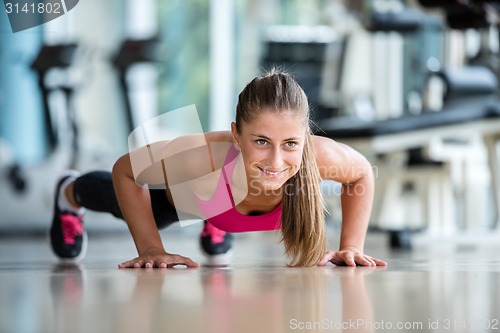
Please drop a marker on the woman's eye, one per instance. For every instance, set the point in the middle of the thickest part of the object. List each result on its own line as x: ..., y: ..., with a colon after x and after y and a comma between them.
x: 261, y: 142
x: 291, y: 144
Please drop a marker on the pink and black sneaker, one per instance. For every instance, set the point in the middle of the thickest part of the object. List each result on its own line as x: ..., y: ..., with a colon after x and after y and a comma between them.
x: 67, y: 234
x: 216, y: 245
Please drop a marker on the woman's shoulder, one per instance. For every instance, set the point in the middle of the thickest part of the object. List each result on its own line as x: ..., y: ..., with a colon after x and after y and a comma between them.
x: 323, y: 145
x: 338, y: 161
x: 329, y: 151
x: 199, y: 155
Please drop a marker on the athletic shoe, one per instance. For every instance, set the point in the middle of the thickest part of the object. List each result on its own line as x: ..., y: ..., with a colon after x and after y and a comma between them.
x: 67, y: 234
x: 216, y: 245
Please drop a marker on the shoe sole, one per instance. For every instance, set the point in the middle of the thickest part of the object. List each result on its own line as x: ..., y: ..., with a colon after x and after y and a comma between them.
x: 217, y: 260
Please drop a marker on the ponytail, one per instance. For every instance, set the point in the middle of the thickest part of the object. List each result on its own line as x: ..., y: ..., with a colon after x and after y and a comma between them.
x: 302, y: 219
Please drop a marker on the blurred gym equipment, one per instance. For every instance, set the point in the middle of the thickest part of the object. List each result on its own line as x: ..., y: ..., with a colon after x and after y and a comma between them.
x: 30, y: 193
x: 53, y: 57
x: 133, y: 52
x: 401, y: 148
x: 301, y: 51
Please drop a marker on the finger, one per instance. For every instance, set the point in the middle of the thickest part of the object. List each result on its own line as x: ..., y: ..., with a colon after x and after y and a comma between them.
x: 349, y: 260
x: 129, y: 264
x: 180, y: 260
x: 149, y: 264
x: 380, y: 262
x: 126, y: 264
x: 364, y: 261
x: 138, y: 264
x: 326, y: 258
x: 192, y: 264
x: 370, y: 259
x: 189, y: 263
x: 338, y: 260
x: 161, y: 263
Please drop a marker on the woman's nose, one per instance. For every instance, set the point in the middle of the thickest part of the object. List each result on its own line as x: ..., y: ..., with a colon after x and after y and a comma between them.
x: 275, y: 159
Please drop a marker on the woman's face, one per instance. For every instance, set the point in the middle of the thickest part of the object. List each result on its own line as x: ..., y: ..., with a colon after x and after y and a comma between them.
x: 271, y: 146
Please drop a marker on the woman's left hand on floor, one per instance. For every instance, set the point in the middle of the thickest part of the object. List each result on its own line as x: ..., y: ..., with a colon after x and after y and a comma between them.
x: 350, y: 256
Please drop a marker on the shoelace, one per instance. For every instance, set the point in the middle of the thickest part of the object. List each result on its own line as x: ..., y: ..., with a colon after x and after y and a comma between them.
x: 71, y: 227
x: 216, y: 235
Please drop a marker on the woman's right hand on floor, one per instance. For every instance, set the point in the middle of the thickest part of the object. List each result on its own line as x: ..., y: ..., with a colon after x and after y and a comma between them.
x: 157, y: 258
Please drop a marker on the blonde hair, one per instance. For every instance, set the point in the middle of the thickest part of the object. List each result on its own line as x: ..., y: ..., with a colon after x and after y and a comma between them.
x: 302, y: 217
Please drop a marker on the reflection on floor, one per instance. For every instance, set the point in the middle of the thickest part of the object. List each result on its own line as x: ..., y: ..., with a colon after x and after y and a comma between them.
x: 443, y: 288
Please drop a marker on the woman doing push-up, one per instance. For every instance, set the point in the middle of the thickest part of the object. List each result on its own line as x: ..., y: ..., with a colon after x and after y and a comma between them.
x: 262, y: 175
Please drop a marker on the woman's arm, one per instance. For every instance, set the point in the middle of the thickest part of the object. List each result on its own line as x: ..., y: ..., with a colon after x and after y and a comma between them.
x: 189, y: 159
x: 135, y: 204
x: 343, y: 164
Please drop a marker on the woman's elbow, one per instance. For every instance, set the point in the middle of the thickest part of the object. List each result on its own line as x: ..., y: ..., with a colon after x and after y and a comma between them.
x: 121, y: 166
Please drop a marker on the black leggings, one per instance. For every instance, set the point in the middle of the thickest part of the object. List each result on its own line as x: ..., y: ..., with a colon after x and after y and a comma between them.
x: 95, y: 191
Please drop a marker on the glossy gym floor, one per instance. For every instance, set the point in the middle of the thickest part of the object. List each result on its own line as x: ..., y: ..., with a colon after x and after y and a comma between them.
x: 439, y: 286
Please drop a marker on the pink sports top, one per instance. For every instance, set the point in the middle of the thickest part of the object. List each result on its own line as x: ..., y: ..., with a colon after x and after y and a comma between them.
x: 231, y: 220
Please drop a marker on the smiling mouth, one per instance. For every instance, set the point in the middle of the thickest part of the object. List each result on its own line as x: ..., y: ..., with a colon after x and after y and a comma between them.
x: 271, y: 173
